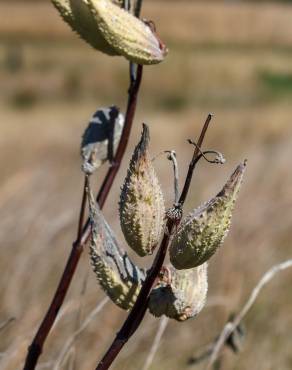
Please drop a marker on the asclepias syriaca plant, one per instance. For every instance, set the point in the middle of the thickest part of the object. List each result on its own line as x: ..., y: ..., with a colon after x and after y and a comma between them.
x: 181, y: 289
x: 107, y: 27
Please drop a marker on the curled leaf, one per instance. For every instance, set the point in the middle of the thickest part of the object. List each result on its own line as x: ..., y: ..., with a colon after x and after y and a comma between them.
x: 119, y: 277
x: 182, y: 295
x: 141, y: 202
x: 101, y: 138
x: 203, y: 231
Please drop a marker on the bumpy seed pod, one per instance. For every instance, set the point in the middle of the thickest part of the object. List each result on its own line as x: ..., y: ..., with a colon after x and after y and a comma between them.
x: 126, y: 34
x: 141, y: 202
x: 77, y: 14
x: 205, y: 228
x: 63, y: 6
x: 101, y: 138
x: 107, y: 27
x: 182, y: 295
x: 119, y: 277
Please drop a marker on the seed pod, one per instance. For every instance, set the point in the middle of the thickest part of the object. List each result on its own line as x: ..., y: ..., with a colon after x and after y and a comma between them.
x: 141, y: 202
x: 182, y: 297
x: 85, y: 26
x: 63, y: 6
x: 101, y: 138
x: 77, y: 14
x: 119, y: 277
x: 126, y: 34
x: 205, y: 228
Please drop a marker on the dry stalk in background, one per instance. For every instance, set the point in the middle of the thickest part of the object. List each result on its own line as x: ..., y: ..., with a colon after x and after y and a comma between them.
x: 154, y: 348
x: 231, y: 326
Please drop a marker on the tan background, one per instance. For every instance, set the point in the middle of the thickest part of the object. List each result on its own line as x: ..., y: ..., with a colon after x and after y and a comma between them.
x: 234, y: 59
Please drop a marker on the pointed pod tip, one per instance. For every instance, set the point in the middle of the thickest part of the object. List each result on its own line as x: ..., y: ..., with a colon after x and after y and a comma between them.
x: 234, y: 182
x: 145, y: 138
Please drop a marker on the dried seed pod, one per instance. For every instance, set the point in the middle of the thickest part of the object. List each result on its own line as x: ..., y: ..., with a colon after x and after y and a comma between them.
x: 141, y: 202
x: 126, y: 34
x: 119, y: 277
x: 183, y: 296
x: 101, y: 138
x: 205, y: 228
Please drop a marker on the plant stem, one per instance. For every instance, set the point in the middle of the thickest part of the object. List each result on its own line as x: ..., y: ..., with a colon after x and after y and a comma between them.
x: 193, y: 163
x: 138, y: 311
x: 36, y: 347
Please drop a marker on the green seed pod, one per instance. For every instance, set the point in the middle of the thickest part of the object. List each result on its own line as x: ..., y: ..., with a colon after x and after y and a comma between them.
x: 183, y: 296
x: 141, y: 202
x: 77, y: 14
x: 119, y: 277
x: 204, y: 229
x: 63, y: 6
x: 126, y: 34
x: 107, y: 27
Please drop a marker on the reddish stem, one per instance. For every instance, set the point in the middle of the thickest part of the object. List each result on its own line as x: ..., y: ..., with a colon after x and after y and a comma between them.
x: 138, y: 311
x: 36, y: 347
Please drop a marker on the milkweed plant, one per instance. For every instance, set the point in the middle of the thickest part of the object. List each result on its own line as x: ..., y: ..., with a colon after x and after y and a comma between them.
x: 176, y: 290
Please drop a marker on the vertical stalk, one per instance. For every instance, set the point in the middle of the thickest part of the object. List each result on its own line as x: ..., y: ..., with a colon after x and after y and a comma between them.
x: 36, y: 347
x: 138, y: 311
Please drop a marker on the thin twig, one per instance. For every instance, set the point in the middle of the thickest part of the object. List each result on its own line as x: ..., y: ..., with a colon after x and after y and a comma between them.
x: 137, y: 8
x: 75, y: 335
x: 194, y: 160
x: 36, y: 347
x: 80, y: 313
x: 82, y: 209
x: 172, y: 157
x: 138, y: 311
x: 161, y: 329
x: 230, y: 327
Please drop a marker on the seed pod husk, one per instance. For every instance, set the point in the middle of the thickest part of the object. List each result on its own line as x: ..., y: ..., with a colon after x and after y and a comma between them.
x: 141, y: 202
x: 183, y: 297
x: 119, y: 277
x: 126, y: 34
x: 204, y: 229
x: 104, y: 126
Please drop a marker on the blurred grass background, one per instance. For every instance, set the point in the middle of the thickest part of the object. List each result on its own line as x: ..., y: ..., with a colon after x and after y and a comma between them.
x: 231, y: 58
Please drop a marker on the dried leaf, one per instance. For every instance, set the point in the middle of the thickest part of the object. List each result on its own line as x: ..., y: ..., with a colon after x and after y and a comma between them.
x: 100, y: 133
x: 204, y: 229
x: 141, y: 202
x: 182, y: 295
x: 119, y: 277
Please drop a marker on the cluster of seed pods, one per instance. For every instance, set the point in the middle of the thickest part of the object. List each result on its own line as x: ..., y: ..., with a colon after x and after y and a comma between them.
x: 181, y: 290
x: 107, y: 27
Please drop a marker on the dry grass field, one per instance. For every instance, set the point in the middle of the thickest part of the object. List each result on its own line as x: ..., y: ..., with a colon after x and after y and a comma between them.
x: 232, y: 59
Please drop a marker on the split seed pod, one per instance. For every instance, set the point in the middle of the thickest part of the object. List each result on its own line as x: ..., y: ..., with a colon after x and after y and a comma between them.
x: 141, y: 202
x: 119, y: 277
x: 101, y: 138
x: 204, y: 229
x: 183, y: 297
